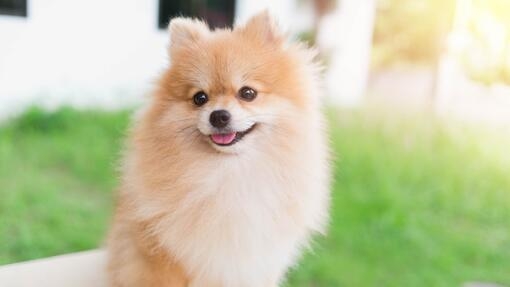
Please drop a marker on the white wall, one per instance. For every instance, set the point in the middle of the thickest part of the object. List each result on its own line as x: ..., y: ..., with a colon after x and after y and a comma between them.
x: 292, y: 16
x: 105, y: 53
x: 346, y: 35
x: 90, y: 53
x: 79, y: 52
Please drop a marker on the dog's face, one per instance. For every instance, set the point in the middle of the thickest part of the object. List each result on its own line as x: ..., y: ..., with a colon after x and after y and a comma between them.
x: 234, y: 89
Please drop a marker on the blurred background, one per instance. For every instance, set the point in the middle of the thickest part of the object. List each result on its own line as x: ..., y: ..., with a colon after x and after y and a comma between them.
x: 417, y: 94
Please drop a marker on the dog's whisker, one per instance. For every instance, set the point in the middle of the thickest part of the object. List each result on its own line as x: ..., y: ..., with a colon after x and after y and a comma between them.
x: 184, y: 129
x: 180, y: 120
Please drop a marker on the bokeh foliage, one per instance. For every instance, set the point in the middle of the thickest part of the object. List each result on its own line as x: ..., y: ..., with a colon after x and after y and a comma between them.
x: 416, y: 32
x: 485, y: 53
x: 411, y: 31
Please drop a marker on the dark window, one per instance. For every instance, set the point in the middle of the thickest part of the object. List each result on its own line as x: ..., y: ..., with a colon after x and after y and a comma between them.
x: 13, y: 7
x: 218, y: 13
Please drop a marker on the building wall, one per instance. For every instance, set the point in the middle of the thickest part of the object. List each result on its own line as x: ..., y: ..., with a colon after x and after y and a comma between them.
x: 90, y: 53
x: 82, y: 53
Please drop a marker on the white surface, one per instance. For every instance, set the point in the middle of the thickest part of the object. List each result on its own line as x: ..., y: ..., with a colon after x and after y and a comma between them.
x: 83, y: 269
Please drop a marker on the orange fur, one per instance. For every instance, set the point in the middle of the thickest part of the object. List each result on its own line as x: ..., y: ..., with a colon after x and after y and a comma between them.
x: 193, y: 214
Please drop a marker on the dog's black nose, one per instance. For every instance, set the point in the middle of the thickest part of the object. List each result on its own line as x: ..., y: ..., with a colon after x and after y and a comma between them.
x: 219, y: 119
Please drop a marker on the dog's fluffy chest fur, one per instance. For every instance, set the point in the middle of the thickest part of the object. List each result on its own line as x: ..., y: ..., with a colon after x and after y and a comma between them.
x: 243, y: 220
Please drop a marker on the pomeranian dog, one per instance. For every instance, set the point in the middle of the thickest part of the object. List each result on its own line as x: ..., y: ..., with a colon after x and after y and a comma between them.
x: 226, y: 175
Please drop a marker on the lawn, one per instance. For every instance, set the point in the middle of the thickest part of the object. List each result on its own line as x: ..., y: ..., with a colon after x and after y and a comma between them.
x: 416, y: 201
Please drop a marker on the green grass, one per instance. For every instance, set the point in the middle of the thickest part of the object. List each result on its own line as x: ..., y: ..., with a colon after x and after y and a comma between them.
x: 416, y: 202
x: 56, y: 181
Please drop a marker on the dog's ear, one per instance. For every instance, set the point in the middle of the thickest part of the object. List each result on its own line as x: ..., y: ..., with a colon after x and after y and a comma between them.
x: 185, y: 32
x: 263, y: 28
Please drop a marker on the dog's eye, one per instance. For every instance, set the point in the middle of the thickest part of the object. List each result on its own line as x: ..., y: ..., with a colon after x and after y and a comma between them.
x: 247, y: 94
x: 200, y: 98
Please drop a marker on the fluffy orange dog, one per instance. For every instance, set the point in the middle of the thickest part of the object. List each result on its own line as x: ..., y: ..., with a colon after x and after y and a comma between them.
x: 226, y: 175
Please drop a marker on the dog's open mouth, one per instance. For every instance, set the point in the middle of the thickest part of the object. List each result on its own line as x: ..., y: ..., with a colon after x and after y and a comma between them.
x: 226, y: 139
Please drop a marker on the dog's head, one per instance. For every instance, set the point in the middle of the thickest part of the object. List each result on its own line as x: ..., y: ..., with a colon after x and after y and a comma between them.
x: 234, y: 89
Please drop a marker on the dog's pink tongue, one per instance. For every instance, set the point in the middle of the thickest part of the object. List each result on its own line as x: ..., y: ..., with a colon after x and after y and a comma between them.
x: 223, y: 138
